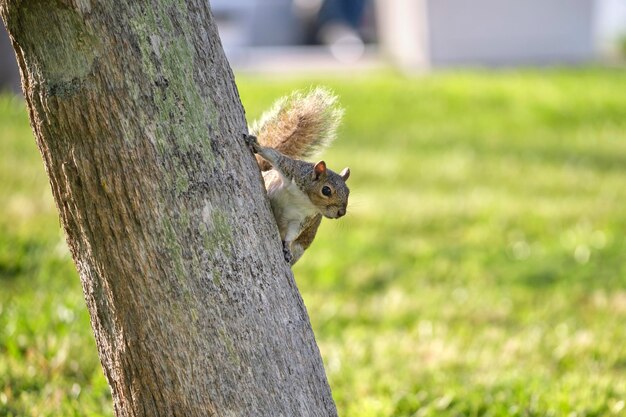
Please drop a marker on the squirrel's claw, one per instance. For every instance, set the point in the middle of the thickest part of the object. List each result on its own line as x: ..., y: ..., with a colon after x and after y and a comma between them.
x: 287, y: 253
x: 252, y: 142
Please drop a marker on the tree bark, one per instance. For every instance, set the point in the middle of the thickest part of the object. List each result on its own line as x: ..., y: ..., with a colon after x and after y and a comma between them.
x: 139, y: 123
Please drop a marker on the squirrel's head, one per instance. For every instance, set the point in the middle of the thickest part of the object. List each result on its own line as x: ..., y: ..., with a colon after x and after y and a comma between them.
x: 329, y: 191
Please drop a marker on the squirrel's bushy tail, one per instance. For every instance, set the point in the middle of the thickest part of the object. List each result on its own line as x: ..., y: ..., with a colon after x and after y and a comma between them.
x: 300, y: 124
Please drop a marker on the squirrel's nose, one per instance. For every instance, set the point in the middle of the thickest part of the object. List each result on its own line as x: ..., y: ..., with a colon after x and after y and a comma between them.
x: 341, y: 212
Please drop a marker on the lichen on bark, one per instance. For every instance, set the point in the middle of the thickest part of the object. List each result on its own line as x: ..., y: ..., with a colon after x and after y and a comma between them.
x: 168, y: 60
x: 65, y: 53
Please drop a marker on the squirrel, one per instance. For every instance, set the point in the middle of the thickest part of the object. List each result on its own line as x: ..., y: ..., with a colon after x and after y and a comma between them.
x: 300, y: 192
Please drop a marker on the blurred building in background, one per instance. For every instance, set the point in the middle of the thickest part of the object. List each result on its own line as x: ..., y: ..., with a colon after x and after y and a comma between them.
x: 320, y: 35
x: 9, y: 74
x: 418, y: 34
x: 422, y: 34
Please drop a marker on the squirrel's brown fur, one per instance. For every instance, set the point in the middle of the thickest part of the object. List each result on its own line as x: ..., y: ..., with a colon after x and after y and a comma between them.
x: 300, y: 193
x: 299, y: 125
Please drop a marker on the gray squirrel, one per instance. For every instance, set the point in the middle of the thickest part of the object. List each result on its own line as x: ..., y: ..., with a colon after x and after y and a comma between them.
x: 300, y: 192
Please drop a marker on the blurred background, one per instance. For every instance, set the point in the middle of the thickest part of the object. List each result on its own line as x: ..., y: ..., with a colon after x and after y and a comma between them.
x: 415, y: 35
x: 480, y: 270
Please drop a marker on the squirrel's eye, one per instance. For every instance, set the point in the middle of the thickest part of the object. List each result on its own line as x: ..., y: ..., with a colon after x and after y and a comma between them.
x: 326, y: 191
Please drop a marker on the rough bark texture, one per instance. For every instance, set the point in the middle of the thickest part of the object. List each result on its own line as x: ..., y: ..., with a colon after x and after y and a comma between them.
x: 140, y: 126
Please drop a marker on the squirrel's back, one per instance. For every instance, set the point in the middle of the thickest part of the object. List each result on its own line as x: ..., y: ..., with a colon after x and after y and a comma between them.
x: 299, y: 125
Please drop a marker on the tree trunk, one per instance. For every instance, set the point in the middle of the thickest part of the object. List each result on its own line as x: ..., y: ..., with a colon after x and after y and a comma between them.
x: 140, y: 126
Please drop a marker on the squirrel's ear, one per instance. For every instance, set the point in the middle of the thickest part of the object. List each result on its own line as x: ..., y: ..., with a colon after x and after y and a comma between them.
x: 345, y: 174
x: 319, y: 169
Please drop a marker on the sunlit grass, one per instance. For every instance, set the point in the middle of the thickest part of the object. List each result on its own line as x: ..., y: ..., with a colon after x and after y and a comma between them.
x: 480, y: 271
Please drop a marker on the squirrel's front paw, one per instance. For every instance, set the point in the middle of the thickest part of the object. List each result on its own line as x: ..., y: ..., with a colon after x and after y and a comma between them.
x: 252, y: 142
x: 287, y: 253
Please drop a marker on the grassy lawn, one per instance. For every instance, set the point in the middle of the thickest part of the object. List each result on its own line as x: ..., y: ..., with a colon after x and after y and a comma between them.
x: 481, y: 270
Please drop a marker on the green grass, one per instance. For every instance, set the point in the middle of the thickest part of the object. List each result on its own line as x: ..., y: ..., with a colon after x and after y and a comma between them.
x: 480, y: 272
